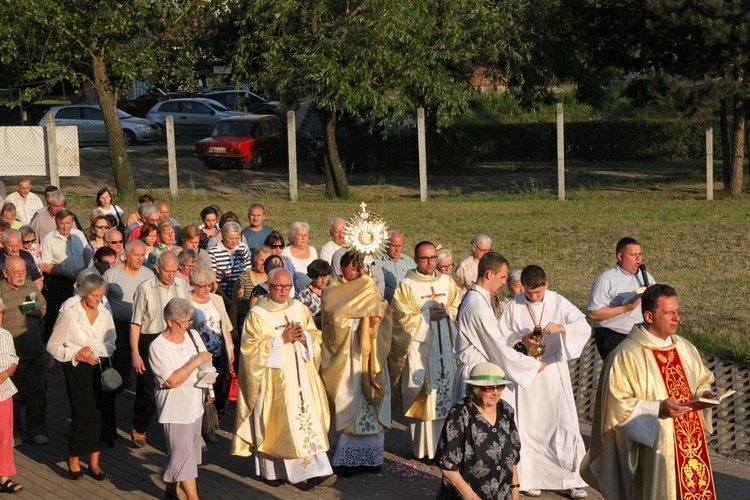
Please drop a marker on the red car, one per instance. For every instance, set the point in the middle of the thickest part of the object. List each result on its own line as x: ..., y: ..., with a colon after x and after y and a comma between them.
x: 243, y: 140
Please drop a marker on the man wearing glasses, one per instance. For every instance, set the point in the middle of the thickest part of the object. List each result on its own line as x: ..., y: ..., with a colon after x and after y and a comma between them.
x: 425, y: 305
x: 12, y: 243
x: 467, y: 269
x: 282, y: 411
x: 146, y: 323
x: 113, y: 239
x: 546, y: 413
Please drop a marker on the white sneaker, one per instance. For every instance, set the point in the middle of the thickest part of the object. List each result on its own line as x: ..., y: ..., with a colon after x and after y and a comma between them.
x: 533, y: 493
x: 577, y: 493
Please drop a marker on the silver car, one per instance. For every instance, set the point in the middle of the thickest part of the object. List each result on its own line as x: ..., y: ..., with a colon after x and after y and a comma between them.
x: 192, y: 116
x: 90, y: 122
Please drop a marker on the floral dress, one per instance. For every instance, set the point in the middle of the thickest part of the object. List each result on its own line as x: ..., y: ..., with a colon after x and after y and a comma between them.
x: 484, y: 454
x: 311, y: 300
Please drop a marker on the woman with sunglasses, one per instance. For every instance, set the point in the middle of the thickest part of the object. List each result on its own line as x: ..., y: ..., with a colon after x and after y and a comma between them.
x: 480, y: 447
x: 99, y: 226
x: 275, y: 241
x: 30, y: 243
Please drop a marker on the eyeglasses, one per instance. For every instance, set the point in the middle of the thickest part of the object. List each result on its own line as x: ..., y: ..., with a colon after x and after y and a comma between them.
x: 101, y: 227
x: 185, y: 325
x: 492, y: 388
x: 118, y: 242
x: 203, y: 285
x: 447, y: 267
x: 279, y: 287
x: 277, y: 246
x: 29, y: 242
x: 432, y: 258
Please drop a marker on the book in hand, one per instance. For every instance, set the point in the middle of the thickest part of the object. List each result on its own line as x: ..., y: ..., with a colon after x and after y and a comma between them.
x: 703, y: 403
x: 27, y: 306
x: 205, y: 379
x: 634, y: 295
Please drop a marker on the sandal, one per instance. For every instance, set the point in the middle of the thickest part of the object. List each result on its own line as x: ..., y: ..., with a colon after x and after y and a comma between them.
x: 10, y: 487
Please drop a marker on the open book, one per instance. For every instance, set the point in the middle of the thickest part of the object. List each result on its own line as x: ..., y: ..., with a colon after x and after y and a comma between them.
x: 702, y: 403
x: 634, y: 295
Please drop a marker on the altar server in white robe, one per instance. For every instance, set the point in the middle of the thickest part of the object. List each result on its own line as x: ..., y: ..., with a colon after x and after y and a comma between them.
x: 479, y: 339
x: 282, y: 409
x: 546, y: 413
x: 424, y: 306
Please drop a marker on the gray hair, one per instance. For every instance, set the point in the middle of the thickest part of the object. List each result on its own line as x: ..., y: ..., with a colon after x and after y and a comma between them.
x: 150, y: 210
x: 10, y: 234
x: 296, y: 226
x: 395, y: 232
x: 113, y: 231
x: 513, y: 276
x: 178, y: 308
x: 166, y: 256
x: 164, y: 225
x: 231, y: 226
x: 276, y: 271
x: 90, y: 282
x: 186, y: 256
x: 26, y: 230
x: 55, y: 197
x: 443, y: 254
x: 202, y: 274
x: 132, y: 243
x: 142, y: 208
x: 335, y: 220
x: 480, y: 239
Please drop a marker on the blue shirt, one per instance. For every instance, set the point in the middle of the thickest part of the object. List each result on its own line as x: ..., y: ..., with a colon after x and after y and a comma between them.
x: 394, y: 272
x: 255, y: 239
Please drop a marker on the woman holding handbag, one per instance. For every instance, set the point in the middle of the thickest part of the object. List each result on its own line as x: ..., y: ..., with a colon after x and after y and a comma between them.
x: 215, y: 328
x: 180, y: 362
x: 83, y: 340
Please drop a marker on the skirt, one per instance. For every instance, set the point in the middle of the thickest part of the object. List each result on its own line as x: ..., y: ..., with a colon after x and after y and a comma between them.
x: 184, y: 451
x: 92, y: 410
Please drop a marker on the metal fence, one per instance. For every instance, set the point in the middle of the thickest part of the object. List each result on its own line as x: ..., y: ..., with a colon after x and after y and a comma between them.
x: 40, y: 151
x: 731, y: 419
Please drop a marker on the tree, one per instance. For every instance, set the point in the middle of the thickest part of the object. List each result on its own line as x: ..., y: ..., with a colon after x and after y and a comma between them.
x: 107, y: 43
x: 704, y: 46
x: 376, y: 58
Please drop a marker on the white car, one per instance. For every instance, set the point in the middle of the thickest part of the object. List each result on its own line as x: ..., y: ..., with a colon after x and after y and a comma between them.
x: 90, y: 122
x: 192, y: 116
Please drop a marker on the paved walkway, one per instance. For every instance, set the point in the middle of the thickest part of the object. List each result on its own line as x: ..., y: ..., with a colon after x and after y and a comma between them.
x: 136, y: 473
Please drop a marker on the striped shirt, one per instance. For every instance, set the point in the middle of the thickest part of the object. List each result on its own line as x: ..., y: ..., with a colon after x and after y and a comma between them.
x: 229, y: 266
x: 8, y: 358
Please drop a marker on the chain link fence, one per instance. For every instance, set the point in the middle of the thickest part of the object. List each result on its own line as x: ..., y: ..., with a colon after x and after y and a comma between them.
x: 34, y: 151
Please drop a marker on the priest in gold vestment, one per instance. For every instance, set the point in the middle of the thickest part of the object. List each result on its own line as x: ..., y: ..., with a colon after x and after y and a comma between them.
x: 282, y: 411
x: 425, y: 305
x: 357, y: 325
x: 644, y: 443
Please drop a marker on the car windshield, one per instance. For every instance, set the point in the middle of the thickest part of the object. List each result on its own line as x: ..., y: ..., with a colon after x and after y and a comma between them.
x: 233, y: 129
x: 123, y: 114
x: 216, y: 106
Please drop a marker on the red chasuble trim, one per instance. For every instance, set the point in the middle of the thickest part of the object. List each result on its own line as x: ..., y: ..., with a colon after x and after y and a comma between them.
x: 693, y: 463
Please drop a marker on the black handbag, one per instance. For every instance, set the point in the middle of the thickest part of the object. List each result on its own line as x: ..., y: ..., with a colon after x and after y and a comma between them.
x: 110, y: 378
x: 210, y: 422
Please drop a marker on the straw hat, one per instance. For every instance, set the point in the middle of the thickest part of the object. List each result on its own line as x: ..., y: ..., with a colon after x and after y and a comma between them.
x: 487, y: 374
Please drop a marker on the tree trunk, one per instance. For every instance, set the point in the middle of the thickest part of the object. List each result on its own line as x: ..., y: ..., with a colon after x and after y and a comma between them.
x: 738, y: 145
x: 336, y: 184
x: 725, y: 154
x: 431, y: 138
x: 118, y: 155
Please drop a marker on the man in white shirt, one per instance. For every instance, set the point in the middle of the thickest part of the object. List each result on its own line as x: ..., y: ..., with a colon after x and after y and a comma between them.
x: 613, y: 316
x: 337, y: 239
x: 26, y: 202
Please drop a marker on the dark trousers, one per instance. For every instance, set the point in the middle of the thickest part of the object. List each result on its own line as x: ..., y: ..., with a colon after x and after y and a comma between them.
x: 144, y: 407
x: 31, y: 379
x: 57, y: 289
x: 122, y: 357
x: 92, y: 410
x: 606, y: 340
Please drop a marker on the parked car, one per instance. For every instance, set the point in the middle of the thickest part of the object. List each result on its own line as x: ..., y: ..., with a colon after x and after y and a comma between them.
x: 142, y: 104
x: 244, y: 100
x: 247, y: 140
x: 90, y: 122
x: 193, y: 116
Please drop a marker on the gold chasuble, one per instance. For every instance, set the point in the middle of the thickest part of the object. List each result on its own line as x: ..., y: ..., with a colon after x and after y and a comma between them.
x: 634, y: 454
x: 357, y: 327
x: 427, y: 361
x: 282, y: 409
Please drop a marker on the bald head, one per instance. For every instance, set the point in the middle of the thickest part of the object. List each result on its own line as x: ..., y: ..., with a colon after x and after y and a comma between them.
x: 15, y: 271
x: 167, y: 267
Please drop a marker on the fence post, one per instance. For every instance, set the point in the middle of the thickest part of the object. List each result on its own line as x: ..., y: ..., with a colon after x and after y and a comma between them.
x: 709, y: 160
x: 422, y: 145
x: 560, y: 154
x: 54, y: 169
x: 171, y: 155
x: 291, y: 135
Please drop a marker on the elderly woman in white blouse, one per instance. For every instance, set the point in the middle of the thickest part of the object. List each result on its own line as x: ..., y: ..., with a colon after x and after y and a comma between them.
x: 83, y: 340
x: 177, y: 357
x: 299, y: 252
x: 8, y: 364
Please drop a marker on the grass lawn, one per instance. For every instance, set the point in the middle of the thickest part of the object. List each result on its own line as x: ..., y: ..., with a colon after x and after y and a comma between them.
x: 698, y: 247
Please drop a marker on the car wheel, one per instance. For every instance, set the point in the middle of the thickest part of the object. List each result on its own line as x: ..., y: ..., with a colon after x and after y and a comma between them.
x: 130, y: 139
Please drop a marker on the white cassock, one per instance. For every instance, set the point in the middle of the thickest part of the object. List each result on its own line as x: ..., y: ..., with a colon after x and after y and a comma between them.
x: 428, y: 374
x: 546, y: 413
x: 479, y: 341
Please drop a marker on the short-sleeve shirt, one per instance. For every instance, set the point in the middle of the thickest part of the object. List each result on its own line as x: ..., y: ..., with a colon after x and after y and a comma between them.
x: 149, y: 301
x: 484, y: 454
x: 311, y: 300
x: 209, y: 326
x: 24, y: 328
x: 67, y: 252
x: 609, y: 290
x: 121, y: 288
x: 255, y: 239
x: 182, y: 404
x: 395, y: 272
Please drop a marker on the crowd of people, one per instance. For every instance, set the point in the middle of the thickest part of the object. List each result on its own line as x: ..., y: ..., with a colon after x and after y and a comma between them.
x: 329, y: 348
